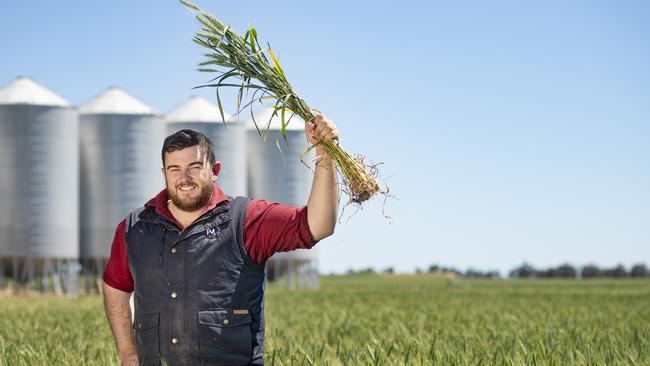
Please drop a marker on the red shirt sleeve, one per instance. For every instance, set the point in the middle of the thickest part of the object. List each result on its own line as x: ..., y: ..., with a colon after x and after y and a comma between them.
x: 117, y: 273
x: 270, y: 228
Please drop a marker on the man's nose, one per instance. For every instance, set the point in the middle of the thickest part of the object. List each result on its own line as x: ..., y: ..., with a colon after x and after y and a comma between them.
x: 187, y: 173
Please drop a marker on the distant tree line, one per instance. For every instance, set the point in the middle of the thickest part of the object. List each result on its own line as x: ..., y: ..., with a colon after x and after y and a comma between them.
x: 434, y: 268
x: 471, y: 272
x: 588, y: 271
x: 528, y: 271
x: 368, y: 270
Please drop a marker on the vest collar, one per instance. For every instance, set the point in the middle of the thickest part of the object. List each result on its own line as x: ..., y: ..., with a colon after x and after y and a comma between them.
x: 157, y: 211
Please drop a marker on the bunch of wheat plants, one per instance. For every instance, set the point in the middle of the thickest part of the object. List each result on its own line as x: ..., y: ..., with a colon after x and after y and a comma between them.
x: 240, y: 62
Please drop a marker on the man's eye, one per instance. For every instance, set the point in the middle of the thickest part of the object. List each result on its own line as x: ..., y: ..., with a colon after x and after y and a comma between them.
x: 196, y: 168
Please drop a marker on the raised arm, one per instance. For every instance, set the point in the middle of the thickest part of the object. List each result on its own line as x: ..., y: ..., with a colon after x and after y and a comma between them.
x: 322, y: 208
x: 118, y: 312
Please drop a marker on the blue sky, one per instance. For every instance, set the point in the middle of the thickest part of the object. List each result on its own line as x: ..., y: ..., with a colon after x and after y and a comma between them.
x: 510, y: 131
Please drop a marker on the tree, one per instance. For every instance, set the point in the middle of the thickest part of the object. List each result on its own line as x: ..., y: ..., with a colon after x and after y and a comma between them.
x: 639, y: 270
x: 567, y: 271
x: 523, y: 271
x: 618, y: 271
x: 590, y: 271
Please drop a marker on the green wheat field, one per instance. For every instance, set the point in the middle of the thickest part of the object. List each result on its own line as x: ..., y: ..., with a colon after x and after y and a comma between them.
x: 384, y: 320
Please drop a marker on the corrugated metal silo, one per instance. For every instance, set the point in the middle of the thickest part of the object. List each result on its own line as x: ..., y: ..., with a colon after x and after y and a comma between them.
x: 229, y: 139
x: 274, y: 168
x: 120, y: 139
x: 275, y: 173
x: 39, y: 180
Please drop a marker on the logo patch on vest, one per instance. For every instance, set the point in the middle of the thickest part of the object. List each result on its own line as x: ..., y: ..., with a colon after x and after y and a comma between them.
x: 210, y: 232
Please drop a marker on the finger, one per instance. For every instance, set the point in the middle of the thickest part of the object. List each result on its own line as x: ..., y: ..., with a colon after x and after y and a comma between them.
x: 331, y: 136
x: 311, y: 135
x: 310, y: 131
x: 319, y: 130
x: 320, y: 120
x: 317, y: 119
x: 326, y: 133
x: 334, y: 132
x: 325, y: 125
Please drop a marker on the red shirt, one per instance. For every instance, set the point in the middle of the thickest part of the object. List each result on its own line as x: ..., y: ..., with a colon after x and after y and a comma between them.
x: 269, y: 228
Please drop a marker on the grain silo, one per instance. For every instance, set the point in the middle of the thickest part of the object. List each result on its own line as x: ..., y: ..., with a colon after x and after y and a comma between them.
x: 229, y: 138
x: 120, y: 139
x: 276, y: 173
x: 38, y: 185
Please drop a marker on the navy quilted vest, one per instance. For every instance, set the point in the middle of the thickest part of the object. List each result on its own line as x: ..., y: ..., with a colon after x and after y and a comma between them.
x: 199, y: 298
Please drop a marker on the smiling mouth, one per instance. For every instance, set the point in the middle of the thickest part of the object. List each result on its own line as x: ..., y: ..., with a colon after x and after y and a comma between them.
x: 187, y: 188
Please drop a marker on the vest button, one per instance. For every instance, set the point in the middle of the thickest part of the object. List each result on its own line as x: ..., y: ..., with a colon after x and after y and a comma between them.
x: 174, y: 295
x: 174, y: 340
x: 226, y: 322
x: 173, y: 250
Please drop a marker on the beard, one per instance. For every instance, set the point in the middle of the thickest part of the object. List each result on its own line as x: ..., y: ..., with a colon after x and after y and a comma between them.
x: 190, y: 204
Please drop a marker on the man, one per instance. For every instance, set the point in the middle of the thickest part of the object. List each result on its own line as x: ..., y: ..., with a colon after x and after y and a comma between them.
x: 194, y: 259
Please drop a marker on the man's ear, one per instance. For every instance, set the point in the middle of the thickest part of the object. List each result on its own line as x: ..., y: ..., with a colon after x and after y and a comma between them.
x: 162, y: 170
x: 216, y: 168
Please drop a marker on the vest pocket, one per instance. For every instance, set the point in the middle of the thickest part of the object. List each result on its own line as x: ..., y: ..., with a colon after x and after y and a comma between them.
x: 146, y: 338
x: 225, y: 337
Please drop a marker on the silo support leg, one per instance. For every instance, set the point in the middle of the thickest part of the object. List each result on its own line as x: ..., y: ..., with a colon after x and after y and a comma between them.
x: 290, y: 280
x: 70, y: 275
x: 99, y: 274
x: 27, y: 273
x: 30, y: 271
x: 56, y: 278
x: 45, y: 275
x: 86, y: 274
x: 2, y: 274
x: 15, y: 273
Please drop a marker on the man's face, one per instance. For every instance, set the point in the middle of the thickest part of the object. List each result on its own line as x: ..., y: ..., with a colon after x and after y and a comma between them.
x: 189, y: 178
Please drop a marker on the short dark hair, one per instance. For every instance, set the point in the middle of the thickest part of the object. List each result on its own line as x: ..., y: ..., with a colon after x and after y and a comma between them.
x: 188, y: 138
